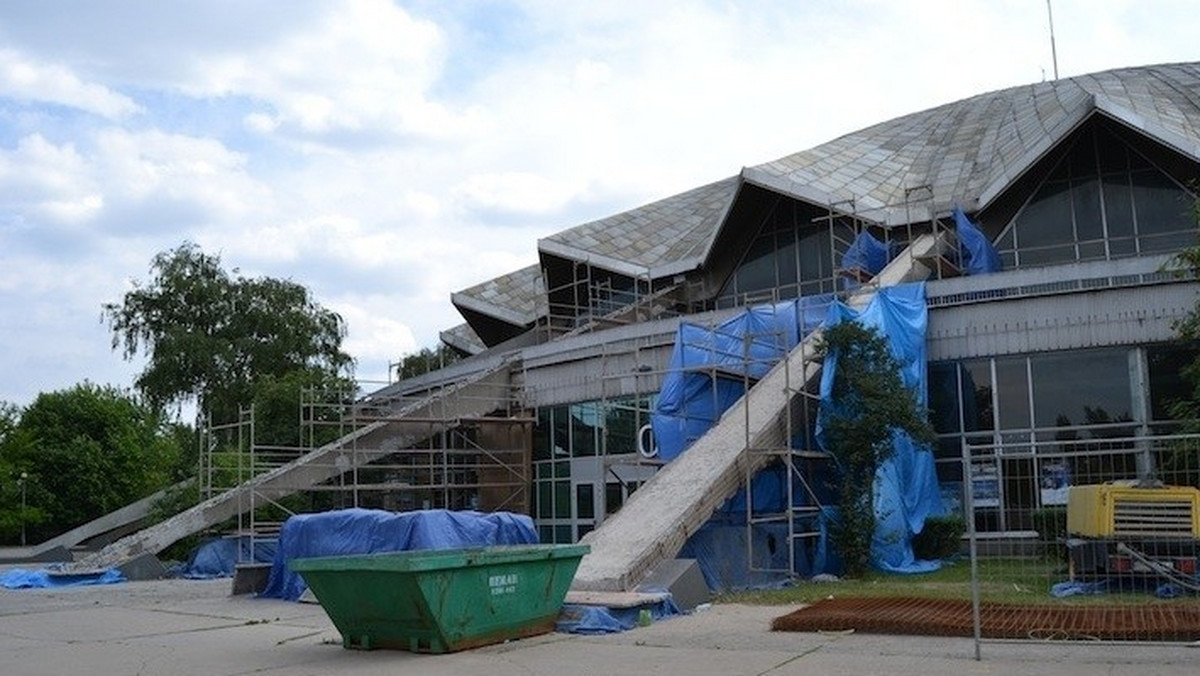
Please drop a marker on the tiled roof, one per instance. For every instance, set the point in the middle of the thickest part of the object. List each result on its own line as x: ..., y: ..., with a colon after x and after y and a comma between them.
x: 650, y: 238
x: 966, y: 152
x: 518, y: 298
x: 970, y: 150
x: 463, y: 338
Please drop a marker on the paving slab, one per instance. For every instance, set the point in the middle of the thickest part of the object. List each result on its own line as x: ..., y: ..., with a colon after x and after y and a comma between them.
x: 184, y: 628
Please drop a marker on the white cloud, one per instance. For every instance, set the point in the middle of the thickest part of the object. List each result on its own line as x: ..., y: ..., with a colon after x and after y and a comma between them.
x: 516, y: 191
x: 387, y: 154
x: 376, y: 337
x: 28, y: 80
x: 141, y: 168
x: 366, y: 65
x: 44, y: 181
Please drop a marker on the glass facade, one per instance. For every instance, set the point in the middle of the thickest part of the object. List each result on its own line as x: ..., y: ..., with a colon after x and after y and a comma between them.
x: 1103, y: 200
x: 791, y: 256
x: 1030, y: 424
x: 585, y: 463
x: 1034, y: 424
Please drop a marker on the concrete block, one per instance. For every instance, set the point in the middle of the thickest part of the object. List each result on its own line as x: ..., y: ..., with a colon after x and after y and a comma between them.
x: 143, y: 567
x: 250, y: 578
x: 682, y: 578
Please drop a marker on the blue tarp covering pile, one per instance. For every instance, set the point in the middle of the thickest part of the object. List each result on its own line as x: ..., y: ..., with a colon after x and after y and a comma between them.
x: 366, y: 531
x: 745, y: 348
x: 219, y: 557
x: 19, y: 578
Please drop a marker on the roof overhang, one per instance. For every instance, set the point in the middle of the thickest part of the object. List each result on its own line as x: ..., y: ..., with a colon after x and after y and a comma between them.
x: 508, y: 315
x: 1153, y: 130
x: 870, y: 211
x: 1035, y: 152
x: 575, y: 254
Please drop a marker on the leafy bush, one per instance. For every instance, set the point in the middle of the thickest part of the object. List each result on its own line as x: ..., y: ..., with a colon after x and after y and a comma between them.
x: 1051, y: 526
x: 940, y: 538
x: 1050, y: 523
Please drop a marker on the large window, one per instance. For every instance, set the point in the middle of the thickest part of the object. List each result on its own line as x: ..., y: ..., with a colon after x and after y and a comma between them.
x: 573, y: 480
x: 1102, y: 200
x: 1034, y: 424
x: 1167, y: 384
x: 791, y: 256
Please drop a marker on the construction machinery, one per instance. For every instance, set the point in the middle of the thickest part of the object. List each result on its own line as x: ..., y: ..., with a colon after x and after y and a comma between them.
x: 1134, y: 530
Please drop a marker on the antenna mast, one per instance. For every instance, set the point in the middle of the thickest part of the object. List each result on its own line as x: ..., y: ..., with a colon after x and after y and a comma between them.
x: 1053, y: 51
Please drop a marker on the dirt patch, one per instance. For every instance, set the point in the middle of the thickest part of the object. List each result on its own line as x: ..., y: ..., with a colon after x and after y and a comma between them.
x: 944, y: 617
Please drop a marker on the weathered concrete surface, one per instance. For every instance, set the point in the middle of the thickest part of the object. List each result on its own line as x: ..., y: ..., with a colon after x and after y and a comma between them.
x: 658, y: 519
x: 193, y: 628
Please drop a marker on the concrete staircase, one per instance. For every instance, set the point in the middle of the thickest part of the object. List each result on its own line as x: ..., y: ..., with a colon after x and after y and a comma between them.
x: 473, y: 397
x: 657, y: 520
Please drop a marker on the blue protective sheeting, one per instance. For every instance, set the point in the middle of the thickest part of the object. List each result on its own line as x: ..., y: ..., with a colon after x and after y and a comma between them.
x: 865, y: 254
x: 720, y: 550
x: 741, y: 349
x: 366, y: 531
x: 979, y: 257
x: 581, y: 619
x: 44, y: 578
x: 219, y: 557
x: 906, y: 488
x: 723, y: 547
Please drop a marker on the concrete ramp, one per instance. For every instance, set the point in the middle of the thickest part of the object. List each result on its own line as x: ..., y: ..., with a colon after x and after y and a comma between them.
x: 476, y: 396
x: 657, y: 520
x: 111, y: 526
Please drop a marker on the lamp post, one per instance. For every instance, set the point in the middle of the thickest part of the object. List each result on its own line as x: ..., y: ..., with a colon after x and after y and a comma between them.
x: 24, y: 477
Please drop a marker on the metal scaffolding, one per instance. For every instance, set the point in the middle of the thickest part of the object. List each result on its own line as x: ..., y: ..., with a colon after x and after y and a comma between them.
x: 426, y: 457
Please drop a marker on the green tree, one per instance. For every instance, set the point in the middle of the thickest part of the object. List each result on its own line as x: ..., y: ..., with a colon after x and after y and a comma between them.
x: 278, y: 408
x: 425, y: 360
x: 14, y: 460
x: 868, y: 404
x: 87, y: 450
x: 1182, y: 464
x: 209, y: 335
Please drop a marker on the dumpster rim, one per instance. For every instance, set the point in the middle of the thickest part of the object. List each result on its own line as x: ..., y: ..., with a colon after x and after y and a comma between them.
x: 419, y: 560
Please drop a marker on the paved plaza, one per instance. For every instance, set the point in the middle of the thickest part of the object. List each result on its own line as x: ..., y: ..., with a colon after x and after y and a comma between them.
x: 180, y: 628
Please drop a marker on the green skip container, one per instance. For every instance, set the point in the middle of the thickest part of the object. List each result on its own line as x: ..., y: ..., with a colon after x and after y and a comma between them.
x: 438, y: 601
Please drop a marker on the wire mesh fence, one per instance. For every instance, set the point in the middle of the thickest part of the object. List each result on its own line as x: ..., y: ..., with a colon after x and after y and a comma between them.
x: 1082, y: 536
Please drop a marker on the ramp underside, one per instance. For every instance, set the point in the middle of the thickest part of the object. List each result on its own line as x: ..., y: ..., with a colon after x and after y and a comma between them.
x: 657, y: 520
x: 478, y: 397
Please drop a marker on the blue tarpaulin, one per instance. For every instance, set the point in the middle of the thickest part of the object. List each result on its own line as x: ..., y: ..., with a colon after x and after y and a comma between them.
x: 866, y: 255
x: 979, y: 257
x: 366, y: 531
x: 219, y: 557
x: 581, y: 619
x: 19, y: 578
x: 742, y: 350
x: 906, y: 488
x: 732, y: 557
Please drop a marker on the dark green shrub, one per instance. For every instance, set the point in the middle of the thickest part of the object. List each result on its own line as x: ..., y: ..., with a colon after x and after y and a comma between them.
x: 1051, y: 526
x: 940, y: 538
x: 1050, y: 523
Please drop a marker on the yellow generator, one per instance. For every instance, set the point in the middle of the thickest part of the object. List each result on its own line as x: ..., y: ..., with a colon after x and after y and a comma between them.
x: 1125, y: 528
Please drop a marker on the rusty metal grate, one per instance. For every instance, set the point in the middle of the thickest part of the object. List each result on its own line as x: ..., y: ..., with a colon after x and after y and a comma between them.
x: 946, y: 617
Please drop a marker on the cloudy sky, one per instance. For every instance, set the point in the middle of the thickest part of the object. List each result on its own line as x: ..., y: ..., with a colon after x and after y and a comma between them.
x: 386, y: 153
